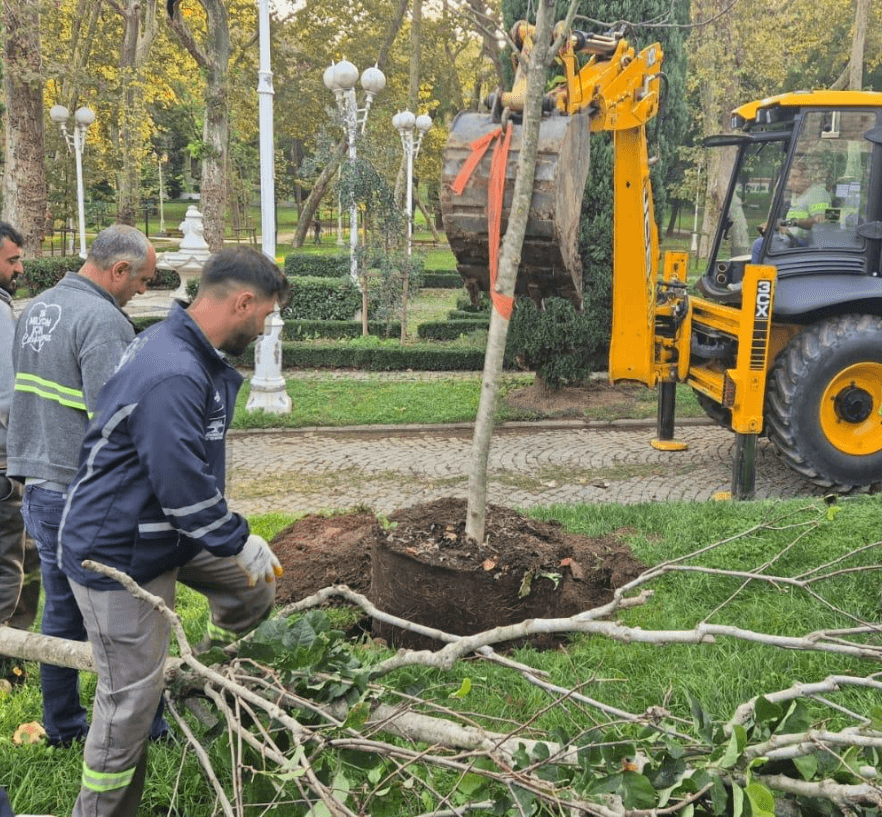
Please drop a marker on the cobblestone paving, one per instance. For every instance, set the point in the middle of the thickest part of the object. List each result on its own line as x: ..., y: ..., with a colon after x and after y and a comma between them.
x: 387, y: 469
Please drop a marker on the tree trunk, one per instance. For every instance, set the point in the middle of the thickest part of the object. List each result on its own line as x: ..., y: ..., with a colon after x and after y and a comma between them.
x: 509, y: 261
x: 214, y: 59
x: 315, y: 195
x: 856, y: 61
x: 138, y: 37
x: 24, y: 176
x: 215, y: 135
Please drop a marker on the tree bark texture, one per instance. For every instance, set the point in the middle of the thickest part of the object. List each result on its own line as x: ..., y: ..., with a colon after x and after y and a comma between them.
x: 24, y: 177
x: 509, y: 261
x: 140, y: 27
x: 214, y: 59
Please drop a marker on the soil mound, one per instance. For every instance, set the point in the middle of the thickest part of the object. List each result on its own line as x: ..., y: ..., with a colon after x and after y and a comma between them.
x: 420, y: 565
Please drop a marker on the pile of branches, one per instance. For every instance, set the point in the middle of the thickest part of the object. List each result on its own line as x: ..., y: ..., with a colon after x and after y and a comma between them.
x: 310, y: 721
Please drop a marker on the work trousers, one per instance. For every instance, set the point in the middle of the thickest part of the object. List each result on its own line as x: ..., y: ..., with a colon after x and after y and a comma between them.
x: 19, y: 565
x: 129, y: 641
x: 64, y: 716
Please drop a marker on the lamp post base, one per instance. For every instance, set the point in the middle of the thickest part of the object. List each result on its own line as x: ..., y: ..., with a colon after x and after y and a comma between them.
x: 268, y: 391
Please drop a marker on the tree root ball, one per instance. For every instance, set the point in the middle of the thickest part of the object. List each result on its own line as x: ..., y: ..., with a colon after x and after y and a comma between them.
x: 419, y: 565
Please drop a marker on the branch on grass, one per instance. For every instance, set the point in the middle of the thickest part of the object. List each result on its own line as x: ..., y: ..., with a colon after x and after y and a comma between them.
x: 842, y: 794
x: 832, y: 683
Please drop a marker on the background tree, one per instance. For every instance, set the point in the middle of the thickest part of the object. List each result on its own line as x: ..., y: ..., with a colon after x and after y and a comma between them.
x: 24, y: 178
x: 212, y: 55
x: 140, y: 27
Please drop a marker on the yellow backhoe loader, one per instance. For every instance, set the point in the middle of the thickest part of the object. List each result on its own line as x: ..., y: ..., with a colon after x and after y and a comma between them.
x: 784, y: 336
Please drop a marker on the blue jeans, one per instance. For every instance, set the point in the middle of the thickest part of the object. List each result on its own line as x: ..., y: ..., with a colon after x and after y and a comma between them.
x: 64, y: 717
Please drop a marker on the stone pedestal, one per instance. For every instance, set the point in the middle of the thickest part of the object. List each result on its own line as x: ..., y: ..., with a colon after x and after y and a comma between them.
x: 268, y: 390
x: 189, y: 259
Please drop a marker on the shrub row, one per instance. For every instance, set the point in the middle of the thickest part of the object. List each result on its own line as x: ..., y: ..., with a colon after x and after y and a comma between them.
x: 441, y: 279
x: 450, y: 330
x: 322, y: 299
x: 378, y: 359
x: 305, y: 330
x: 316, y: 266
x: 42, y: 273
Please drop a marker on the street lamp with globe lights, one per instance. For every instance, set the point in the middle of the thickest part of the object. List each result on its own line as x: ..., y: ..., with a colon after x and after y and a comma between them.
x: 341, y: 78
x: 405, y: 123
x: 83, y: 117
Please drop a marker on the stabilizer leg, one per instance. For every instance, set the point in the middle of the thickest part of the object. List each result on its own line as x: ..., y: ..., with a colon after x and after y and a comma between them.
x: 744, y: 466
x: 667, y: 400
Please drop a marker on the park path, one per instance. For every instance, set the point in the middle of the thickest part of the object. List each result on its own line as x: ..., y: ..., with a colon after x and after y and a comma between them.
x: 386, y: 468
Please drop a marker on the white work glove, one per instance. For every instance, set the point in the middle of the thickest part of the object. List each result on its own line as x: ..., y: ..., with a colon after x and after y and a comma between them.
x: 258, y: 561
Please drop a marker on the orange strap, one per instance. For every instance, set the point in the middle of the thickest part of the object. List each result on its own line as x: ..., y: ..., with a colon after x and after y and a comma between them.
x: 495, y: 192
x: 479, y: 148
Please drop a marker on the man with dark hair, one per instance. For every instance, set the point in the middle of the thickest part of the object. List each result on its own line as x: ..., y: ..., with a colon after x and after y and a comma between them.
x: 67, y: 344
x: 148, y: 500
x: 19, y: 563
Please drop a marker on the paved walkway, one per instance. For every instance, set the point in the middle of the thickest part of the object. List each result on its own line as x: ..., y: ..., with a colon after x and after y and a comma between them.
x: 391, y: 467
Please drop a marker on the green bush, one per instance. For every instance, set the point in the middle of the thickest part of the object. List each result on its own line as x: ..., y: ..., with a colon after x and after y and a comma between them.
x: 440, y: 279
x: 165, y: 279
x: 303, y: 265
x: 561, y: 345
x: 306, y: 329
x: 322, y: 299
x: 450, y: 330
x: 464, y: 304
x: 41, y: 274
x: 463, y: 315
x: 377, y: 357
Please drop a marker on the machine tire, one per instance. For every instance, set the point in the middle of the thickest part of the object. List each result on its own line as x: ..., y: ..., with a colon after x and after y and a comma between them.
x: 718, y: 413
x: 823, y: 403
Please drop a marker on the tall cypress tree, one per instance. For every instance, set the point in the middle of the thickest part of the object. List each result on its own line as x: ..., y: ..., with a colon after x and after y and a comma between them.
x: 596, y: 240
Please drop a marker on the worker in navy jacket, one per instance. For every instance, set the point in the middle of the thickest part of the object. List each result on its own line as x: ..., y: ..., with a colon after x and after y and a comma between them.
x: 148, y: 500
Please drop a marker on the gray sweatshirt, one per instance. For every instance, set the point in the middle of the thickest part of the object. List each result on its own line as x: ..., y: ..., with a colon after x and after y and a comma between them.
x: 67, y: 344
x: 7, y: 373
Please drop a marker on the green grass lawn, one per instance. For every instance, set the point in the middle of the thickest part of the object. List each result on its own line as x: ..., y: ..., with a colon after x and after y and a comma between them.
x: 789, y: 539
x: 333, y: 399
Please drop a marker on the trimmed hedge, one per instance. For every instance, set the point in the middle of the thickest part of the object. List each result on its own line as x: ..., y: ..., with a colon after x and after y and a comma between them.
x: 43, y: 273
x: 306, y: 329
x: 303, y: 265
x: 165, y: 279
x: 322, y: 299
x: 450, y: 330
x: 441, y: 279
x: 378, y: 359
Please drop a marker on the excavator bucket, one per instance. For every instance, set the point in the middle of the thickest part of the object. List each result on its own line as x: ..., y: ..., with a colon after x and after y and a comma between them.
x: 550, y: 263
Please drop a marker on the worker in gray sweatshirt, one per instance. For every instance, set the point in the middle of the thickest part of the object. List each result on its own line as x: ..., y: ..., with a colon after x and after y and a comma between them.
x: 67, y: 344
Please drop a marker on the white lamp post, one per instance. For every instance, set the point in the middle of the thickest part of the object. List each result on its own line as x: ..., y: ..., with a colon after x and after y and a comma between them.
x: 341, y: 78
x: 405, y: 123
x: 268, y: 391
x: 83, y: 117
x: 161, y: 159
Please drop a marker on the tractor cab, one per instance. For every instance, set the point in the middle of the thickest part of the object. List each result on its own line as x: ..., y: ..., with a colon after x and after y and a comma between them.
x: 804, y: 196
